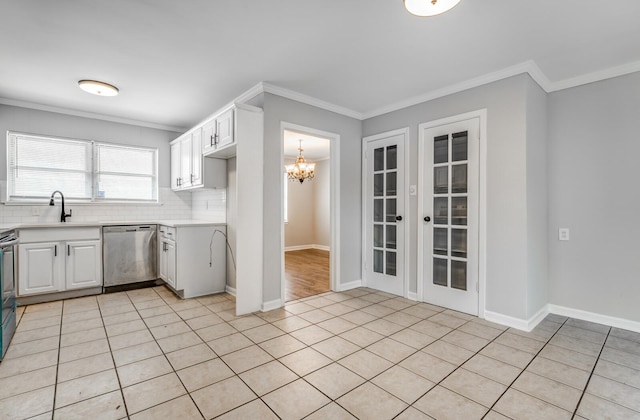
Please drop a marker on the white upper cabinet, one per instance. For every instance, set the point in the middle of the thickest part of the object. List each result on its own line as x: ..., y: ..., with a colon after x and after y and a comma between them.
x: 189, y: 169
x: 218, y: 132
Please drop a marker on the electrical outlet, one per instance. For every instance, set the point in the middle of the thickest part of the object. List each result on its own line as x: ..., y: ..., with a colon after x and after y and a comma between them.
x: 563, y: 234
x: 35, y: 211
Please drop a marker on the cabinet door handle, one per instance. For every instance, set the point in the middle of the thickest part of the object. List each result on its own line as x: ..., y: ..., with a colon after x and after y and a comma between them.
x: 192, y: 177
x: 211, y: 140
x: 215, y: 138
x: 68, y: 250
x: 55, y: 250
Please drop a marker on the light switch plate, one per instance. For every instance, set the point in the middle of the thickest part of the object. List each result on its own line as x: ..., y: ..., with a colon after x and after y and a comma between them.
x: 563, y: 234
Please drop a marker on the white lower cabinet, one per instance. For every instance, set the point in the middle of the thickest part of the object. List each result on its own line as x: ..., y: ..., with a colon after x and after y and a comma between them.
x: 57, y: 266
x: 83, y: 266
x: 192, y: 260
x: 40, y: 270
x: 167, y: 261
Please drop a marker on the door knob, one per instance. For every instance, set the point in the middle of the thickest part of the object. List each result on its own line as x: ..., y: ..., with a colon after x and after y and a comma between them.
x: 427, y: 219
x: 398, y: 218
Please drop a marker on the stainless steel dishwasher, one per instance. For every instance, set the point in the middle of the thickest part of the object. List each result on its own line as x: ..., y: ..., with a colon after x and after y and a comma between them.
x: 128, y: 256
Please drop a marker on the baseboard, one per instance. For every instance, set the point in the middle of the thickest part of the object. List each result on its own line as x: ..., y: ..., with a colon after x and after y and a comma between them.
x: 230, y: 290
x: 348, y: 286
x: 309, y: 246
x: 517, y: 323
x: 271, y: 305
x: 412, y: 296
x: 622, y: 323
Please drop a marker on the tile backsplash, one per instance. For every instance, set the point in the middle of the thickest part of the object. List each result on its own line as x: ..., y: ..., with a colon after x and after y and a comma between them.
x: 207, y: 205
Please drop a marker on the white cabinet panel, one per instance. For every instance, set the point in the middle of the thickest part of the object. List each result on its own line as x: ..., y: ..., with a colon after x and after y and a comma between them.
x: 175, y: 165
x: 189, y: 169
x: 224, y: 124
x: 83, y: 264
x: 40, y: 269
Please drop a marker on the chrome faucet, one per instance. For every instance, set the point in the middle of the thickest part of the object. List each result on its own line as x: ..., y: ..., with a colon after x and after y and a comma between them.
x: 63, y: 215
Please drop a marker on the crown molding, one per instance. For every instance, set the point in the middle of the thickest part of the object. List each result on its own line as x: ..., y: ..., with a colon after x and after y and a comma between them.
x: 529, y: 67
x: 526, y: 67
x: 102, y: 117
x: 310, y: 100
x: 596, y: 76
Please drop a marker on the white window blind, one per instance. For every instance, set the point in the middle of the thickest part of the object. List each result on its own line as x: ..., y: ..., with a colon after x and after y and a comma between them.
x: 125, y: 173
x: 37, y: 166
x: 83, y: 170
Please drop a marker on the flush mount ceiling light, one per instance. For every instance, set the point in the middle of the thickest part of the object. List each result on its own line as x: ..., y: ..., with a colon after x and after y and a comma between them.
x: 300, y: 170
x: 429, y: 7
x: 98, y: 88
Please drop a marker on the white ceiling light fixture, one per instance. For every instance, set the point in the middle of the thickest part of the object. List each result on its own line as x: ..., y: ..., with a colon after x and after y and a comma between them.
x: 98, y: 88
x: 429, y: 7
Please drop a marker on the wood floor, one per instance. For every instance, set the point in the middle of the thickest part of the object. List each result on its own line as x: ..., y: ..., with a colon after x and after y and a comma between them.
x: 306, y: 273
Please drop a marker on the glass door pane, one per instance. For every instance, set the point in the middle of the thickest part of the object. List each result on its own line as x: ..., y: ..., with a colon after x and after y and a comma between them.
x: 450, y: 191
x: 385, y: 191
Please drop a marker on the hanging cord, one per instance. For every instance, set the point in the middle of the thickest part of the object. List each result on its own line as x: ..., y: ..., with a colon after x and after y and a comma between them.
x: 216, y: 230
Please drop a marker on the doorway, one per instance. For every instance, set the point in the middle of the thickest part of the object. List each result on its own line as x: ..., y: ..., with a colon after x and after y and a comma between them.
x: 309, y: 238
x: 384, y: 207
x: 449, y: 212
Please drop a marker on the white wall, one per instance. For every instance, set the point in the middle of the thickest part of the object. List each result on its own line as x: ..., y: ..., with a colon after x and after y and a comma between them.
x: 537, y: 203
x: 322, y: 197
x: 309, y: 210
x: 276, y: 110
x: 232, y: 220
x: 593, y: 190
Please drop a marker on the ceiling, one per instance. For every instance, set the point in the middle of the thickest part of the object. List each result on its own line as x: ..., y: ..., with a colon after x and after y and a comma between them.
x: 176, y: 62
x: 313, y: 148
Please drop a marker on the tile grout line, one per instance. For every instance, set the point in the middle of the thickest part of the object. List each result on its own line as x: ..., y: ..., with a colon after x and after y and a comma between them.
x: 586, y: 385
x: 155, y: 340
x: 525, y: 368
x: 115, y: 367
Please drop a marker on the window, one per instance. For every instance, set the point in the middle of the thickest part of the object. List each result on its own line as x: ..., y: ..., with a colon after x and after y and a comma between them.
x: 83, y: 170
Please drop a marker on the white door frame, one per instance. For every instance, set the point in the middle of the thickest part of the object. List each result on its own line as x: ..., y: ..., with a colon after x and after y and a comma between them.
x: 334, y: 185
x: 482, y: 201
x: 407, y: 220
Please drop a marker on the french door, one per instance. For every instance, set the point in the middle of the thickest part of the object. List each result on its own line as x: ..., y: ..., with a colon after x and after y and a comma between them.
x: 384, y: 207
x: 449, y: 191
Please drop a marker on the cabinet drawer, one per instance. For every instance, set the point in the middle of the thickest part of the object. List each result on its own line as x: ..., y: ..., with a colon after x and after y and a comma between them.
x: 167, y: 232
x: 58, y: 234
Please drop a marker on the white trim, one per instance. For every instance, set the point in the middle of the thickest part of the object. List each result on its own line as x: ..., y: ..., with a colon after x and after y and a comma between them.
x: 230, y: 290
x: 348, y: 286
x: 271, y: 305
x: 625, y: 324
x: 527, y: 67
x: 309, y: 100
x: 412, y: 296
x: 92, y: 115
x: 407, y: 208
x: 309, y: 246
x: 481, y: 114
x: 517, y: 323
x: 530, y: 67
x: 334, y: 217
x: 595, y: 76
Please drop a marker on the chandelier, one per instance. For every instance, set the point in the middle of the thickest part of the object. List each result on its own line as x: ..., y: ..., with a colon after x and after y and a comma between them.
x: 300, y: 170
x: 429, y: 7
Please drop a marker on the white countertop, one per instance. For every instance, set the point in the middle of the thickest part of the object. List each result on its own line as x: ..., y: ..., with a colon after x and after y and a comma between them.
x: 173, y: 223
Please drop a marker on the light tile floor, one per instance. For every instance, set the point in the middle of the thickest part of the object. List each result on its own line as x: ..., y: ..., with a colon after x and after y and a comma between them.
x: 364, y: 354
